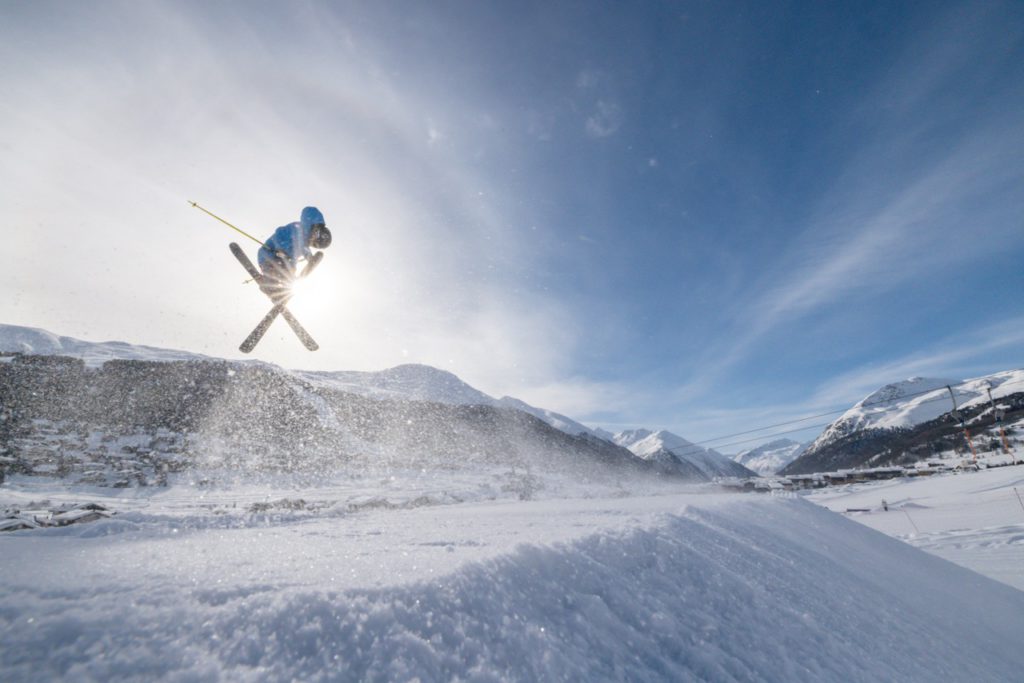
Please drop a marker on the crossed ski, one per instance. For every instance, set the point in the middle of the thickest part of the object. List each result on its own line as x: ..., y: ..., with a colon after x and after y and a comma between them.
x: 279, y: 295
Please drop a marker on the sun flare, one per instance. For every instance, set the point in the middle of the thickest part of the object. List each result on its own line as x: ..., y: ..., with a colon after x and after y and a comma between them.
x: 309, y: 300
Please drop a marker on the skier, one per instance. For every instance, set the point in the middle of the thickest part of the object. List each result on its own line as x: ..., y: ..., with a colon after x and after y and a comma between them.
x: 281, y: 252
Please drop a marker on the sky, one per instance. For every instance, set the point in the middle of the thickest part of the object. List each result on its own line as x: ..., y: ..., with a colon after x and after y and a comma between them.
x: 697, y: 216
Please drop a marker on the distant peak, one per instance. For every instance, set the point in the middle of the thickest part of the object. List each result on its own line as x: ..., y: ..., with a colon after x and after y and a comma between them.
x: 669, y: 439
x: 628, y: 437
x: 779, y: 443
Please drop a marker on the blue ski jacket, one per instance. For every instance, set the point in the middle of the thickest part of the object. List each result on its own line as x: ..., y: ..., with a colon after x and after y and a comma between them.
x: 292, y: 240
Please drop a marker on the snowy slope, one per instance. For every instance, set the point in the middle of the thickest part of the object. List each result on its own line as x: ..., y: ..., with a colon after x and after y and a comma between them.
x: 917, y: 400
x: 657, y: 445
x: 425, y: 383
x: 771, y: 457
x: 556, y: 420
x: 409, y: 382
x: 131, y: 423
x: 670, y: 587
x: 974, y: 519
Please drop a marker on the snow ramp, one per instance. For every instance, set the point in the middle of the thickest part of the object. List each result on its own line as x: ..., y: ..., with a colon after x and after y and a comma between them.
x: 681, y: 588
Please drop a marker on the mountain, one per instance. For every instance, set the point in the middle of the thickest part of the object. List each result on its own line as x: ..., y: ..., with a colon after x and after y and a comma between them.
x: 912, y: 420
x: 692, y: 460
x: 556, y: 420
x: 426, y: 383
x: 404, y: 382
x: 769, y: 458
x: 123, y: 415
x: 901, y: 404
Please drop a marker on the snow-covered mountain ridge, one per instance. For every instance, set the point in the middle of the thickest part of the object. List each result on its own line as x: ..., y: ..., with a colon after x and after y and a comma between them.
x: 415, y: 382
x: 110, y: 414
x: 408, y: 382
x: 911, y: 420
x: 917, y: 400
x: 666, y: 447
x: 771, y: 457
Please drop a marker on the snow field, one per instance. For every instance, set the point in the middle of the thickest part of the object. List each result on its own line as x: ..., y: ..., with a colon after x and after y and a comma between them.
x: 974, y: 519
x: 681, y: 587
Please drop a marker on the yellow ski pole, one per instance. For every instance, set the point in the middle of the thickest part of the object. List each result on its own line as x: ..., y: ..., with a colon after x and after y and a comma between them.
x: 209, y: 213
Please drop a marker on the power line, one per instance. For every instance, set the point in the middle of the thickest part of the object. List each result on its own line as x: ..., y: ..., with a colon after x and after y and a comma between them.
x: 758, y: 438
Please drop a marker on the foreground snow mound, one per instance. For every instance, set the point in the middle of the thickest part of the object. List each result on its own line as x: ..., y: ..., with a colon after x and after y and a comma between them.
x: 726, y: 590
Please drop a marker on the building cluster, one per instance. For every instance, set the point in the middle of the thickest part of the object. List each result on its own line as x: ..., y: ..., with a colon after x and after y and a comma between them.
x: 817, y: 480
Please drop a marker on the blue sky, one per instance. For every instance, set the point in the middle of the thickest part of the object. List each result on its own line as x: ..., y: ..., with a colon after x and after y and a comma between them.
x: 700, y: 216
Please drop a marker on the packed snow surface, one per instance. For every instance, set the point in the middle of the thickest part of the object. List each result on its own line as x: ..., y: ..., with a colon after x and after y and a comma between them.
x: 396, y: 579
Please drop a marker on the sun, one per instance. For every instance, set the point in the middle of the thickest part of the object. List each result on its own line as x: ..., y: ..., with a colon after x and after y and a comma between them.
x: 309, y: 300
x: 300, y: 288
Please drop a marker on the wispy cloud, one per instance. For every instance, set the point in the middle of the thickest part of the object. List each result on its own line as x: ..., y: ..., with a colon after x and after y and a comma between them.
x: 604, y: 113
x: 584, y: 398
x: 974, y: 352
x: 925, y: 191
x: 606, y: 119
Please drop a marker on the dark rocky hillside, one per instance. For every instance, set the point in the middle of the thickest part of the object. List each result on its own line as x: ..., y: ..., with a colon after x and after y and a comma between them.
x: 879, y: 447
x: 131, y: 422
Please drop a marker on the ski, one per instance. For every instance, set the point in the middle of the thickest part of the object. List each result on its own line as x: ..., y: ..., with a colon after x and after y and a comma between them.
x: 279, y: 295
x: 279, y: 309
x: 244, y: 260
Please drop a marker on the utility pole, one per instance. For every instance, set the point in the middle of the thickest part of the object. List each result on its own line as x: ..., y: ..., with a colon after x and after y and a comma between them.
x: 959, y: 416
x: 999, y: 413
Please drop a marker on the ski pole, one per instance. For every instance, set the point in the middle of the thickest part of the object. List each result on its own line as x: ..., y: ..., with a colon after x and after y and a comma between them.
x: 210, y: 213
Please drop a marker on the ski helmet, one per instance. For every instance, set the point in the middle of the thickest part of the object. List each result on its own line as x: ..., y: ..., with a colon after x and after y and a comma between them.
x: 321, y: 237
x: 311, y: 216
